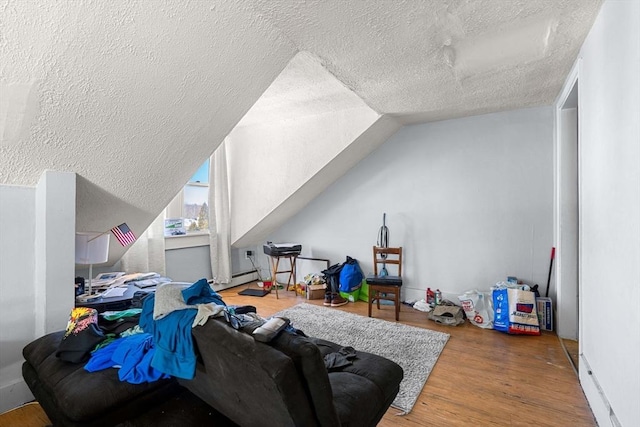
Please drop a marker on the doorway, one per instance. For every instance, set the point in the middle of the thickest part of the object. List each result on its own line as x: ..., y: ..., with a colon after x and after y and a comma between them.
x: 567, y: 293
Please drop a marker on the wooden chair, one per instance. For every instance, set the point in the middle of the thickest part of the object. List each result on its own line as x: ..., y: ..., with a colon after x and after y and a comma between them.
x: 385, y: 287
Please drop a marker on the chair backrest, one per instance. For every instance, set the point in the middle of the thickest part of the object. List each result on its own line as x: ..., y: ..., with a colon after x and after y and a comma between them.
x: 386, y: 256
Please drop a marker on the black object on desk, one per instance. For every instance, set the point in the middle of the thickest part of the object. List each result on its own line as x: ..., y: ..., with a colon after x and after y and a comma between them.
x: 115, y: 303
x: 79, y: 284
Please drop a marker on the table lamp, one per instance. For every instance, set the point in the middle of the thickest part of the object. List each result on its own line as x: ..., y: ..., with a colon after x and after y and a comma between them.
x: 92, y: 248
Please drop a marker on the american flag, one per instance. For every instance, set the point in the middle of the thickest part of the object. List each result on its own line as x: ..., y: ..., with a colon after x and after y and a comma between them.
x: 124, y: 234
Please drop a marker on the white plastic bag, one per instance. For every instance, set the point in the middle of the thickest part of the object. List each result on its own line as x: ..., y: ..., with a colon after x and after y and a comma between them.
x: 478, y: 308
x: 422, y: 306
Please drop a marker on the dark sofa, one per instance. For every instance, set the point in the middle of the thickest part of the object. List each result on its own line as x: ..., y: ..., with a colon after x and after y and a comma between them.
x: 286, y: 381
x: 246, y: 382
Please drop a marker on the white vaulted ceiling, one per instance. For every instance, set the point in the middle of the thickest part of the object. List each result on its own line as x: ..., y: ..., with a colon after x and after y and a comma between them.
x: 134, y: 95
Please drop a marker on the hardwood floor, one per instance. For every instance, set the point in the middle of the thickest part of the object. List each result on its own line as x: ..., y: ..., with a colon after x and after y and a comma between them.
x: 28, y: 415
x: 482, y: 378
x: 572, y: 348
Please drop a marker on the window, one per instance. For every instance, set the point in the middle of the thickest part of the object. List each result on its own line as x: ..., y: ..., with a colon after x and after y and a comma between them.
x: 195, y: 205
x: 188, y: 212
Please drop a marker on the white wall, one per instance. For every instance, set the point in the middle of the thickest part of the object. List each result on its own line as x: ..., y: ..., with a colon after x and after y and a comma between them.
x: 609, y: 132
x: 17, y: 290
x: 36, y: 271
x: 565, y: 293
x: 470, y: 200
x: 55, y: 250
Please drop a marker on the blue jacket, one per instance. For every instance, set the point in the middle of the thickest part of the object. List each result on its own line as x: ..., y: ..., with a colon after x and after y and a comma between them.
x: 174, y: 353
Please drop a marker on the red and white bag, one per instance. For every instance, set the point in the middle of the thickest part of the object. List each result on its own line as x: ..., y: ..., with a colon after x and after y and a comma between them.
x: 478, y: 308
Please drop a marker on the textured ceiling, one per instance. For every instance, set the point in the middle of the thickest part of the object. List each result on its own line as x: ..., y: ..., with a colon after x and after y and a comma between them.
x: 133, y: 95
x: 434, y: 60
x: 130, y: 95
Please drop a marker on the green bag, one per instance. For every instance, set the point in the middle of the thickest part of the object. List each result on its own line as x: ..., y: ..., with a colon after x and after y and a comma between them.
x: 352, y: 296
x: 364, y: 291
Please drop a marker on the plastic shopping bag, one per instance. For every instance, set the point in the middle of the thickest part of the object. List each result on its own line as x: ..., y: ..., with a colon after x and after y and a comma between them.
x: 515, y: 311
x: 478, y: 308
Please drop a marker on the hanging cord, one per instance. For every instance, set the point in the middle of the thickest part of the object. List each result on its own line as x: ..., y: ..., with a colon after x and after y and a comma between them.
x: 256, y: 269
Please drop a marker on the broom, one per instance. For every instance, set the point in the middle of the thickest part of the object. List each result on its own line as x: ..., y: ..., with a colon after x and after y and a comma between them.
x: 553, y: 255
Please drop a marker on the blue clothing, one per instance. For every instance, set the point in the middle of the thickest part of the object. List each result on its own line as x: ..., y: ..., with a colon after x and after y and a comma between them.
x: 101, y: 358
x: 132, y: 354
x: 174, y: 344
x: 174, y: 352
x: 146, y: 321
x: 201, y: 293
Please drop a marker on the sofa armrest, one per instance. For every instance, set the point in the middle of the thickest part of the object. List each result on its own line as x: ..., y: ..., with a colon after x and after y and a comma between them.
x: 310, y: 363
x: 246, y: 380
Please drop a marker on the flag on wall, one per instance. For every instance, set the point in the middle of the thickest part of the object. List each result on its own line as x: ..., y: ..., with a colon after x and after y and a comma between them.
x: 124, y: 234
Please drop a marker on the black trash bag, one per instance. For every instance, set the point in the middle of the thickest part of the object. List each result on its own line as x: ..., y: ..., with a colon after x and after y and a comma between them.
x: 332, y: 277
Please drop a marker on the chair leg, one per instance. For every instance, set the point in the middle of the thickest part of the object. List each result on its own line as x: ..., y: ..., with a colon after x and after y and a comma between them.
x: 397, y: 307
x: 370, y: 300
x: 274, y: 276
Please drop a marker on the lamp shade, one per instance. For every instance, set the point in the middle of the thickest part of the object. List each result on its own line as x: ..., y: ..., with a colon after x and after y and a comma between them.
x: 92, y: 248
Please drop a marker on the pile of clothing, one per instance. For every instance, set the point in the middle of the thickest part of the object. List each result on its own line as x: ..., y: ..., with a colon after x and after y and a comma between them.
x: 145, y: 344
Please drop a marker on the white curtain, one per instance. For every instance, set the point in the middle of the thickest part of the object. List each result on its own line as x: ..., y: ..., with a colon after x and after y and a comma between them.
x: 219, y: 216
x: 147, y: 253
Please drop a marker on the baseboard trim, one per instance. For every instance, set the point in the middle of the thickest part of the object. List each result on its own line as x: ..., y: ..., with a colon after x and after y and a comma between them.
x: 600, y: 406
x: 242, y: 278
x: 14, y: 395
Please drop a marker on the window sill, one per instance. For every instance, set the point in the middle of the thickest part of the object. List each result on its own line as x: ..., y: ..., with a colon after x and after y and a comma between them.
x: 186, y: 241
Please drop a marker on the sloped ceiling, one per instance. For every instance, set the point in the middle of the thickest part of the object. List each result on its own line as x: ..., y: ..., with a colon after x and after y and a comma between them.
x: 133, y: 95
x: 130, y: 95
x: 434, y: 60
x: 306, y: 130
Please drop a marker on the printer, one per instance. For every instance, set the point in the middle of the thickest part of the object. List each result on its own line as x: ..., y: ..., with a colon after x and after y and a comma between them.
x: 281, y: 249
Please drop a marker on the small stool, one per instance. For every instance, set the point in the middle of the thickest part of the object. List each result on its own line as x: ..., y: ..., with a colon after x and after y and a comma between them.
x: 274, y: 260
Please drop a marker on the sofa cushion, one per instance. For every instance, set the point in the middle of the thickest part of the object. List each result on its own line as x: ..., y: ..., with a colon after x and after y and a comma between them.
x: 354, y: 397
x: 71, y: 388
x: 369, y: 378
x: 309, y: 362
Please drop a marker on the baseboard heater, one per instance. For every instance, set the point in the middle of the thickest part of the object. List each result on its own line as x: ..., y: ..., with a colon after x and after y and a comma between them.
x: 242, y: 278
x: 236, y: 280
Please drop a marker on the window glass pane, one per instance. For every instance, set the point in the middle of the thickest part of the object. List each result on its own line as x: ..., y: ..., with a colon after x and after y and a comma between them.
x: 202, y: 174
x: 196, y: 209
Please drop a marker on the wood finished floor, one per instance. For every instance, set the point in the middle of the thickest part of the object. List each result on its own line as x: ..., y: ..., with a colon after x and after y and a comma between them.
x: 572, y: 348
x: 482, y: 378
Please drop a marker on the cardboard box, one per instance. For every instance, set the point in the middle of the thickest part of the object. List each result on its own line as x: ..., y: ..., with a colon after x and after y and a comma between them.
x: 545, y: 313
x: 315, y: 291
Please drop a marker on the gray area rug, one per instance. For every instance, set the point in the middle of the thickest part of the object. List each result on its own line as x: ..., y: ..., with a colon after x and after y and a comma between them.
x: 416, y: 350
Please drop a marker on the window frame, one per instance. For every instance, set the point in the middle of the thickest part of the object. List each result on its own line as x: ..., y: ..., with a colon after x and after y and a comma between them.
x: 175, y: 209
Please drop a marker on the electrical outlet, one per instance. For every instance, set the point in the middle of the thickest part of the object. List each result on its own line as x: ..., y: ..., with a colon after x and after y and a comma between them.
x: 248, y: 254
